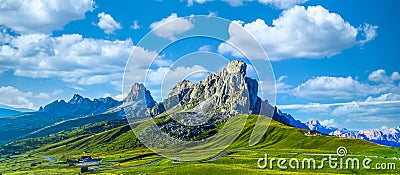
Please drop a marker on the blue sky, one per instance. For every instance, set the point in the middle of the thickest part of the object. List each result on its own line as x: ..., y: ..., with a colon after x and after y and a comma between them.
x: 335, y: 61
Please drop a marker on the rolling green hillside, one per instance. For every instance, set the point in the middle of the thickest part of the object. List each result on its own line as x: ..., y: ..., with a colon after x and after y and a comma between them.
x: 279, y: 138
x: 112, y: 141
x: 8, y: 112
x: 123, y: 153
x: 75, y: 122
x: 29, y: 144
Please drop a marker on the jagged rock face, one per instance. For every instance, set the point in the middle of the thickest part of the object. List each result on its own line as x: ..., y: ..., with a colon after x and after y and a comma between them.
x: 223, y: 94
x: 275, y: 115
x: 292, y: 122
x: 236, y: 67
x: 77, y: 99
x: 315, y: 125
x: 79, y: 105
x: 156, y: 110
x: 139, y: 92
x: 226, y: 92
x: 140, y: 103
x: 255, y: 101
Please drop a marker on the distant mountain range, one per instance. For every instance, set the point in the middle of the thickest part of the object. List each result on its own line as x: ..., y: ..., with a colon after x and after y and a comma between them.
x: 21, y: 125
x: 10, y: 111
x: 316, y: 126
x: 388, y: 137
x: 79, y: 106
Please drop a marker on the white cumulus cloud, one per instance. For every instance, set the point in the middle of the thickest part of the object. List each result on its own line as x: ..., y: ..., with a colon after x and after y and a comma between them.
x: 387, y: 97
x: 380, y: 76
x: 42, y: 16
x: 107, y: 23
x: 383, y: 109
x: 300, y: 32
x: 325, y: 87
x: 280, y: 4
x: 368, y: 33
x: 368, y: 102
x: 171, y: 26
x: 71, y: 58
x: 160, y: 81
x: 283, y: 4
x: 15, y: 98
x: 205, y: 48
x: 191, y: 2
x: 339, y: 88
x: 328, y: 122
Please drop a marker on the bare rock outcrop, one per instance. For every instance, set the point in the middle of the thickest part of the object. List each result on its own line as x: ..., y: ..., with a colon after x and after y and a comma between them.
x: 222, y: 94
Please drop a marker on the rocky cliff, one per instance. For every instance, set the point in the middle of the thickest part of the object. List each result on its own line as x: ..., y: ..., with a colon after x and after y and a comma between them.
x: 139, y: 92
x: 219, y: 96
x: 225, y: 92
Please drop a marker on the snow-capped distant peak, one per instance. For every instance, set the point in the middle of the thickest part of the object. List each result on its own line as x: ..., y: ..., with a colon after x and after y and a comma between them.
x: 387, y: 136
x: 316, y: 125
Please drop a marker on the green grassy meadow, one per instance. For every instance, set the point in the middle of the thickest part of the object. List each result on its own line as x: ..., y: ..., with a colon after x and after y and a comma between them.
x: 122, y: 153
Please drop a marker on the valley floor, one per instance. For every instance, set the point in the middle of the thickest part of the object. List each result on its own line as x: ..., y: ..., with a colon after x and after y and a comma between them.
x: 232, y: 162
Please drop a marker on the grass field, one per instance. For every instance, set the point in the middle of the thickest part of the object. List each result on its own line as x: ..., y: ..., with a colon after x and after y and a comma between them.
x: 122, y: 153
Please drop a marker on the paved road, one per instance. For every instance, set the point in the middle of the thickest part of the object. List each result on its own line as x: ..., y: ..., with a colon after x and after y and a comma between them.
x: 52, y: 159
x: 222, y: 155
x: 214, y: 158
x: 136, y: 166
x: 148, y: 164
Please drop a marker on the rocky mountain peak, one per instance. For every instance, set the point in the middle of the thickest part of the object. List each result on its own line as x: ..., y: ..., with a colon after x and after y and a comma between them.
x: 236, y: 67
x: 139, y: 92
x: 76, y: 99
x: 316, y: 125
x: 227, y: 93
x: 388, y: 137
x: 313, y: 122
x: 181, y: 87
